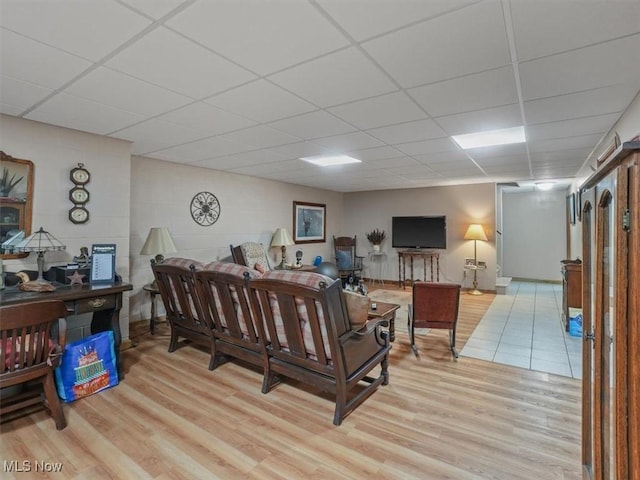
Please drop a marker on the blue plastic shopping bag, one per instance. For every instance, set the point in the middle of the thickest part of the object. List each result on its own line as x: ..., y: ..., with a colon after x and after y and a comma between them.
x: 575, y: 325
x: 88, y: 366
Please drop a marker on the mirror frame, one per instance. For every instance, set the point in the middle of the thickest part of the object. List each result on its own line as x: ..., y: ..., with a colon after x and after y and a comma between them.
x: 29, y: 203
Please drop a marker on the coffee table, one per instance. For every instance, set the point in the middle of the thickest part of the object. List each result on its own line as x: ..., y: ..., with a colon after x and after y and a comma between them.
x: 386, y: 311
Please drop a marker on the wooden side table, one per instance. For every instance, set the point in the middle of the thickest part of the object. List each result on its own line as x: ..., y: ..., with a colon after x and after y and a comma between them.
x: 385, y: 311
x: 153, y: 291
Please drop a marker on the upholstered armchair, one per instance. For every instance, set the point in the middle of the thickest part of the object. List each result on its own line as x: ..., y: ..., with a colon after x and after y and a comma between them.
x: 252, y: 255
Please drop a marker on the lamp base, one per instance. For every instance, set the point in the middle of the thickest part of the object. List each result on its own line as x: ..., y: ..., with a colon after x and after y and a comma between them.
x: 475, y: 291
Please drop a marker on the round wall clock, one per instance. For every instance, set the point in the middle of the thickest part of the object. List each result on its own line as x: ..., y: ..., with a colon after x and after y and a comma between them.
x: 80, y: 175
x: 78, y: 215
x: 205, y: 209
x: 79, y: 195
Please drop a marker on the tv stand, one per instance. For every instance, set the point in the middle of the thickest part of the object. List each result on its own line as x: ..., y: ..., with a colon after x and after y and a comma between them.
x: 410, y: 253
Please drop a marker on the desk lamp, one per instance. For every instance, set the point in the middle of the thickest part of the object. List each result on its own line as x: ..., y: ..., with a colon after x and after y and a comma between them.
x: 40, y: 242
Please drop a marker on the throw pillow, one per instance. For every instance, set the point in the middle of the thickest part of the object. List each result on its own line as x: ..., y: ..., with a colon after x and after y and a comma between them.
x: 357, y: 308
x: 344, y: 260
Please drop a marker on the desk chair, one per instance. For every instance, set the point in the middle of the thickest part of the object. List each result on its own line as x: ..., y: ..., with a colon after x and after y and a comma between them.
x: 32, y: 340
x: 347, y: 259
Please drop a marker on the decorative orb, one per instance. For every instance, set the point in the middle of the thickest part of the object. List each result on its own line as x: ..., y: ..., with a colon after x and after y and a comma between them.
x: 328, y: 269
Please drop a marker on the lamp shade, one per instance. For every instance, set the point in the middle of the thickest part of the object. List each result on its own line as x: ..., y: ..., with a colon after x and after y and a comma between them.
x: 281, y: 238
x: 475, y: 232
x: 40, y: 241
x: 158, y: 241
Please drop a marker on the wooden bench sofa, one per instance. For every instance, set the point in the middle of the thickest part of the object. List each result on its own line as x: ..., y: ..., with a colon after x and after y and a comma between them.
x: 291, y: 324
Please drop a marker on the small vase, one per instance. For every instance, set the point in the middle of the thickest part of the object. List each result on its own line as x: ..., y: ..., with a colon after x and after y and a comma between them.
x: 376, y: 248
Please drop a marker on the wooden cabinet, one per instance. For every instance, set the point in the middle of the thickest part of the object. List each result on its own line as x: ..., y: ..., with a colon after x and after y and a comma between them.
x: 571, y: 288
x: 610, y: 308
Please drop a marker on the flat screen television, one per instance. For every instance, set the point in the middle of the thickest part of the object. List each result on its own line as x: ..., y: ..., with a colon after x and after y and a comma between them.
x: 419, y: 232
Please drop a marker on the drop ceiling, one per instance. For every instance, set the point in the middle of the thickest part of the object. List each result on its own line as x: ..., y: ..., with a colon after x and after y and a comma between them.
x: 249, y: 86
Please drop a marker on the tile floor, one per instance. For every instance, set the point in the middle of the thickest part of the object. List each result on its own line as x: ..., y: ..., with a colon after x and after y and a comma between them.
x: 524, y: 328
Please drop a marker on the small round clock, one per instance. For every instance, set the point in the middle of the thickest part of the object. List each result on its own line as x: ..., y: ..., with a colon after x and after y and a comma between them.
x: 80, y: 175
x: 79, y: 195
x: 78, y: 215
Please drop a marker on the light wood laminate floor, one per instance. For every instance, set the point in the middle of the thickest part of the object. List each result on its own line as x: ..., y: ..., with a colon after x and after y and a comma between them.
x: 171, y: 418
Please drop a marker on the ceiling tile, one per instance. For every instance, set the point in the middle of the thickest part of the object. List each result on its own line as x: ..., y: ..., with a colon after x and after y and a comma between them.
x: 482, y: 120
x: 571, y: 25
x: 364, y: 18
x: 498, y: 151
x: 443, y: 157
x: 419, y: 54
x: 20, y: 95
x: 205, y: 117
x: 379, y: 111
x: 261, y: 101
x: 376, y: 153
x: 243, y: 159
x: 599, y: 101
x: 408, y: 132
x: 313, y: 125
x: 264, y: 36
x: 155, y: 8
x: 341, y: 77
x: 261, y: 136
x: 550, y: 145
x: 156, y: 134
x: 121, y: 91
x: 428, y: 146
x: 169, y: 60
x: 300, y: 149
x: 88, y: 29
x: 472, y: 92
x: 24, y: 59
x: 201, y: 150
x: 554, y: 157
x: 84, y: 115
x: 348, y: 142
x: 583, y: 69
x: 571, y: 128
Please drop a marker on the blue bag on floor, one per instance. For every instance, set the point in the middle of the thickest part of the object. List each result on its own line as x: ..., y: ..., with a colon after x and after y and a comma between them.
x: 88, y: 366
x: 575, y: 325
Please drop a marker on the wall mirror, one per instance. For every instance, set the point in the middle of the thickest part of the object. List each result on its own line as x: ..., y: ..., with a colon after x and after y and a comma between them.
x: 16, y: 203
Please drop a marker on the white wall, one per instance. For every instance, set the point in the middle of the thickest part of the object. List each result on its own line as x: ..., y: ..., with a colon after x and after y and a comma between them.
x: 534, y: 234
x: 251, y: 210
x: 463, y: 204
x: 54, y: 152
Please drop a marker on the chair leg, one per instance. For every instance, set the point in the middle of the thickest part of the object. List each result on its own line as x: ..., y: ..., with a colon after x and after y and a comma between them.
x: 53, y: 401
x: 173, y: 343
x: 412, y: 338
x: 452, y: 342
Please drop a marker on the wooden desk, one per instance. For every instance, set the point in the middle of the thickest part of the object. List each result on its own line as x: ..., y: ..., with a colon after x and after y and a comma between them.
x: 104, y: 301
x: 386, y: 311
x: 402, y: 254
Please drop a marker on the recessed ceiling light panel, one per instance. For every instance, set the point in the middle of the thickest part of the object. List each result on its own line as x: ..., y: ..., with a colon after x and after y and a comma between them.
x: 330, y: 160
x: 491, y: 138
x: 544, y: 186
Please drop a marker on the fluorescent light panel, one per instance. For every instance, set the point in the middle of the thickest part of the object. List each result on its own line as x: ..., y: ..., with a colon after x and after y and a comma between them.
x: 491, y: 138
x: 330, y: 160
x: 544, y: 186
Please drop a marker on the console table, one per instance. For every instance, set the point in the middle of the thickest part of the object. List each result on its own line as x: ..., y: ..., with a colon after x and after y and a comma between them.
x: 104, y: 301
x: 403, y: 254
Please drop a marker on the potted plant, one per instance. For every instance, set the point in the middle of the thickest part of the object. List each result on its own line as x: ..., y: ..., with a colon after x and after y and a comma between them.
x: 6, y: 183
x: 376, y: 237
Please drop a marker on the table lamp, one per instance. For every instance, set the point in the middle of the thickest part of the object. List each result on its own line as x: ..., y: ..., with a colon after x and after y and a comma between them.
x: 158, y: 242
x: 282, y: 238
x: 40, y: 242
x: 475, y: 232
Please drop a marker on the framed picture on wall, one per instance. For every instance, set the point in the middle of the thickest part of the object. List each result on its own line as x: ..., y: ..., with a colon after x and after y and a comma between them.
x: 309, y: 222
x: 571, y: 208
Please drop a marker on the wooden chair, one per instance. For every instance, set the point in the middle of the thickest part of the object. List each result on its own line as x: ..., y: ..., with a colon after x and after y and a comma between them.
x: 346, y: 257
x: 434, y: 305
x: 176, y: 284
x: 32, y: 340
x: 310, y: 338
x: 226, y: 303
